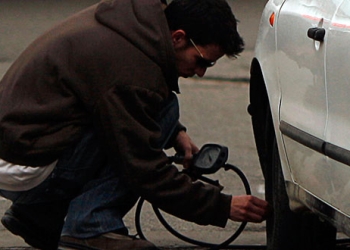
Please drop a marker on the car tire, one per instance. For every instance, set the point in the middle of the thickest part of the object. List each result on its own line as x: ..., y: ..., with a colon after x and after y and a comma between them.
x: 288, y: 230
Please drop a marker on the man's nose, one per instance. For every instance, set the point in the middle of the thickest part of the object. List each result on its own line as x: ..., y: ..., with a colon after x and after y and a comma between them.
x: 200, y: 71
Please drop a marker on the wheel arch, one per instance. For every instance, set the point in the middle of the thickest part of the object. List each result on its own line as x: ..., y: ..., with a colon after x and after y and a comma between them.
x: 264, y: 95
x: 259, y: 109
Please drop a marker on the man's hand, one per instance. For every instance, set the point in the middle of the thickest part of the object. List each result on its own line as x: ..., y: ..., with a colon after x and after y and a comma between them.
x: 248, y: 208
x: 185, y: 145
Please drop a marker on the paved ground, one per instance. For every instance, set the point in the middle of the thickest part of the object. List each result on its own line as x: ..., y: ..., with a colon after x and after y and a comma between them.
x: 228, y: 124
x: 22, y: 21
x: 213, y: 109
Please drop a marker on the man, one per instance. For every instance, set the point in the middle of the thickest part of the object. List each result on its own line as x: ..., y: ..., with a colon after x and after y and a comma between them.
x: 86, y: 112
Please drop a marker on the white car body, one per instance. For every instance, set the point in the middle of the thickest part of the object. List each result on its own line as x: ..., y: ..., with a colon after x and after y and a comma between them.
x: 308, y: 87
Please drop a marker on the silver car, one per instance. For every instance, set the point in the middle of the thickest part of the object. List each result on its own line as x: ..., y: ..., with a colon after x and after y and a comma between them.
x: 300, y: 107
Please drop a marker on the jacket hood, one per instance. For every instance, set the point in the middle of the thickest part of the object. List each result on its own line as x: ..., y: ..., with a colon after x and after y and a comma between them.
x: 144, y: 25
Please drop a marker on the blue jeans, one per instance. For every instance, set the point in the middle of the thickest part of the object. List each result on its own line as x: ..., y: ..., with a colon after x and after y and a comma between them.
x: 84, y: 175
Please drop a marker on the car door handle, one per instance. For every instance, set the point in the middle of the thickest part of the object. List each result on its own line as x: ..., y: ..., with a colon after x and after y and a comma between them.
x: 316, y: 34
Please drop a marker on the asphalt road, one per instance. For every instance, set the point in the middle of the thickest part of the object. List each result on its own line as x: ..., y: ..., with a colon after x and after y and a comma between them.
x: 214, y: 112
x: 213, y: 109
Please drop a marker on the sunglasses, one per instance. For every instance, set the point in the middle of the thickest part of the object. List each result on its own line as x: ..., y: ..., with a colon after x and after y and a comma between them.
x: 202, y: 62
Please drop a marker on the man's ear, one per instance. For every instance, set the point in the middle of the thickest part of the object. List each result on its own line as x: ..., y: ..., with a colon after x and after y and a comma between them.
x: 179, y: 38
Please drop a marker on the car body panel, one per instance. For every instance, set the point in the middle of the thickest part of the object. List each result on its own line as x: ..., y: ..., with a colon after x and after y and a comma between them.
x: 307, y: 83
x: 301, y: 62
x: 338, y: 124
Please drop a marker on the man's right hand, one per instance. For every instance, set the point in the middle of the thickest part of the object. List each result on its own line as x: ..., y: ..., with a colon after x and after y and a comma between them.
x: 249, y: 208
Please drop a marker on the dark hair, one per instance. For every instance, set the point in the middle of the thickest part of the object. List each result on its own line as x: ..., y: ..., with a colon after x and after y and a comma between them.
x: 206, y: 22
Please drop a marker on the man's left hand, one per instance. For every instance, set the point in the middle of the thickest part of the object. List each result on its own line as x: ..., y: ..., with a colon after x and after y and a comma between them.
x: 185, y: 145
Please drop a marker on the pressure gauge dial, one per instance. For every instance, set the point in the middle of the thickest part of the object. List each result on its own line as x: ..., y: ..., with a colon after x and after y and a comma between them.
x: 210, y: 158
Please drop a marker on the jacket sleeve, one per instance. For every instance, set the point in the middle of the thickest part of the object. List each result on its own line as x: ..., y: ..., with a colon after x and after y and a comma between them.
x: 126, y: 117
x: 179, y: 127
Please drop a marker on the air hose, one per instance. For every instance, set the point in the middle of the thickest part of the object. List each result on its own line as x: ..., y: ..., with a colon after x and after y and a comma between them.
x: 210, y: 158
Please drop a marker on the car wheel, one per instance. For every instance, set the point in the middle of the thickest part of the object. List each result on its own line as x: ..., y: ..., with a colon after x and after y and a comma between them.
x: 288, y: 230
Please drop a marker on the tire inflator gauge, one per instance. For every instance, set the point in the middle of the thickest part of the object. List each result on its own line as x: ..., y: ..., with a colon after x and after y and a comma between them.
x: 209, y: 159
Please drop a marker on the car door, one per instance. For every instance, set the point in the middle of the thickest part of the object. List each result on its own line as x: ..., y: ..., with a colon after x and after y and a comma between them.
x: 337, y: 146
x: 303, y: 110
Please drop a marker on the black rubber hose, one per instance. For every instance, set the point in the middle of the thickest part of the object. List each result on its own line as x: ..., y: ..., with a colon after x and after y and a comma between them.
x: 189, y: 240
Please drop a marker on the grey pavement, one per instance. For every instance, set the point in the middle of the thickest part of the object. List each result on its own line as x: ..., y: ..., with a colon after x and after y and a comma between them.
x: 213, y: 109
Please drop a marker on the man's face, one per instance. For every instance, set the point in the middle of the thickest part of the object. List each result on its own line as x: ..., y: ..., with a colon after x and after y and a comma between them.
x: 193, y: 59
